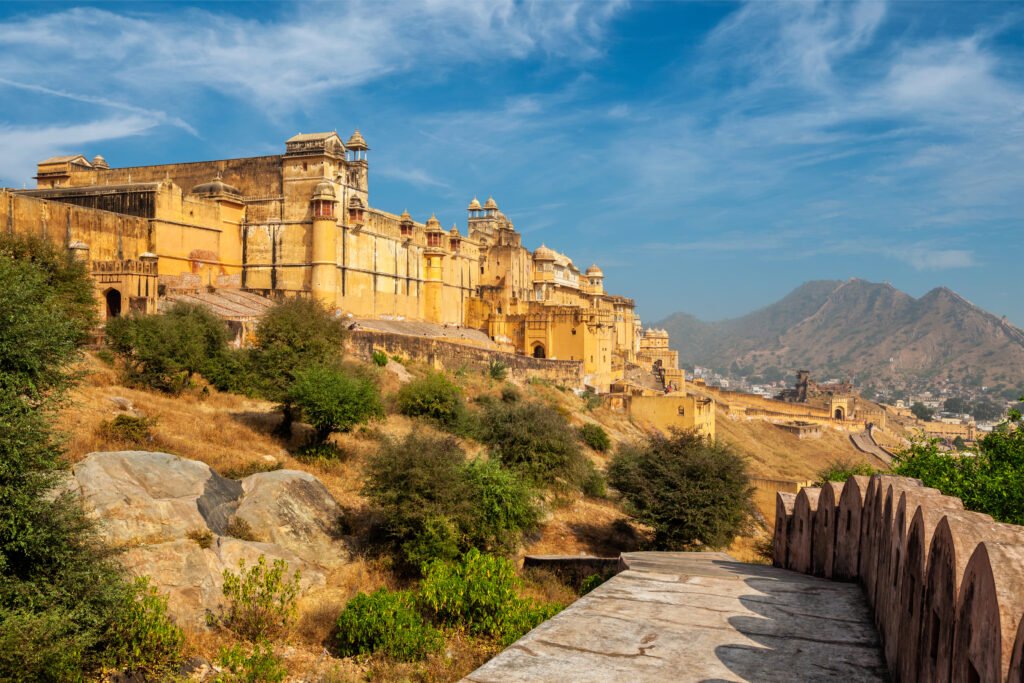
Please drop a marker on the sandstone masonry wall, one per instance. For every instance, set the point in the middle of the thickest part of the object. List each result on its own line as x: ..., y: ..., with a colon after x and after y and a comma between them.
x: 946, y: 585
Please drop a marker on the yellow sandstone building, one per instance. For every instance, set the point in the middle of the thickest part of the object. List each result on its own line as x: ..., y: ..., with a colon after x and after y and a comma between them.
x: 301, y: 224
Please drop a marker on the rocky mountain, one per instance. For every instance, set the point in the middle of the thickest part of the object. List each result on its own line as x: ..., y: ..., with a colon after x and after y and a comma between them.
x: 871, y: 332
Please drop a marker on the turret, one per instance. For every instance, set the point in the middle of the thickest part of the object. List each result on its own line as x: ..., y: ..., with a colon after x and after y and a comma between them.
x: 406, y: 226
x: 490, y: 207
x: 324, y: 284
x: 433, y: 271
x: 595, y: 280
x: 475, y: 210
x: 356, y: 148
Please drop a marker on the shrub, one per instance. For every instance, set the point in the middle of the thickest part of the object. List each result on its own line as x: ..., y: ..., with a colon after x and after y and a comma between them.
x: 380, y: 358
x: 202, y: 537
x: 590, y: 583
x: 990, y: 481
x: 842, y: 469
x: 257, y: 664
x: 127, y: 430
x: 594, y: 436
x: 334, y: 401
x: 164, y: 351
x: 433, y: 397
x: 693, y: 492
x: 387, y: 622
x: 145, y: 639
x: 591, y: 399
x: 480, y: 594
x: 593, y: 484
x: 509, y: 394
x: 435, y: 505
x: 497, y: 369
x: 262, y: 601
x: 537, y: 441
x: 240, y: 529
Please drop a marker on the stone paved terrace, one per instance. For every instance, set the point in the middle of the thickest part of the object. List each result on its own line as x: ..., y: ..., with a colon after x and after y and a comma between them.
x: 700, y: 617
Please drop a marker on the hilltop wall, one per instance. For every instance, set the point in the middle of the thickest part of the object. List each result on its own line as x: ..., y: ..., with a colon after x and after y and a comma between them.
x: 448, y: 355
x: 946, y: 585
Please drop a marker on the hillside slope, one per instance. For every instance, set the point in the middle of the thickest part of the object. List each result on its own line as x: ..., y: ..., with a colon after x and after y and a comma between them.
x: 871, y: 332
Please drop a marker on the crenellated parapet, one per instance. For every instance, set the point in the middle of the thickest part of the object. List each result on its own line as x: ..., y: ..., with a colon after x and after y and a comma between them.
x: 946, y: 585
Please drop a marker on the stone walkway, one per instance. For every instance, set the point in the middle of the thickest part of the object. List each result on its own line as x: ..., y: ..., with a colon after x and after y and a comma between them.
x: 700, y: 617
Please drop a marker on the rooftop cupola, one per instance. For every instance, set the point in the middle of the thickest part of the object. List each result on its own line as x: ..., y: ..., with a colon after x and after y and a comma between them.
x: 216, y: 188
x: 405, y: 224
x: 490, y: 207
x: 475, y: 210
x: 356, y: 147
x: 323, y: 200
x: 454, y: 238
x: 543, y: 254
x: 98, y: 162
x: 434, y: 231
x: 594, y: 271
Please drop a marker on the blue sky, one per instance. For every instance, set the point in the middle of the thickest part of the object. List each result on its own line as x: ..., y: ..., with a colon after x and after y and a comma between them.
x: 710, y: 157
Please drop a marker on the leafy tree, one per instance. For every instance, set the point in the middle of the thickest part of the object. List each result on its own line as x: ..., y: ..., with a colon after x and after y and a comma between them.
x: 164, y: 351
x: 922, y: 412
x: 294, y: 335
x: 262, y: 600
x: 594, y: 436
x: 987, y: 409
x: 65, y: 606
x: 535, y: 440
x: 989, y: 481
x: 693, y: 492
x: 333, y: 400
x: 956, y: 404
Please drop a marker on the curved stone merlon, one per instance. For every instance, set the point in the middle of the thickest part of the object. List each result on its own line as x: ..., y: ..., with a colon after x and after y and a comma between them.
x: 946, y: 585
x: 784, y: 503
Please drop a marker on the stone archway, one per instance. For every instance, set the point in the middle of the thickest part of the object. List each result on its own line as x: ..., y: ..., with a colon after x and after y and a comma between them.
x: 538, y: 351
x: 113, y: 300
x: 839, y: 414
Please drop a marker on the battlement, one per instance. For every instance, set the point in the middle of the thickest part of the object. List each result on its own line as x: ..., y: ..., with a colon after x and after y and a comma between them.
x: 946, y: 585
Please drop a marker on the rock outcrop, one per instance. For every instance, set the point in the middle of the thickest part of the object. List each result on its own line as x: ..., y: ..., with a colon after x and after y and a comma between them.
x: 177, y: 520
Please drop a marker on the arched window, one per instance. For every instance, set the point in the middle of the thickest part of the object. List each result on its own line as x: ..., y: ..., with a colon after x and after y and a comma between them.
x: 538, y: 351
x: 113, y: 298
x: 839, y: 413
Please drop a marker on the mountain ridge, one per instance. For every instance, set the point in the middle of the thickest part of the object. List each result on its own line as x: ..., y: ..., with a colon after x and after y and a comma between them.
x: 871, y: 332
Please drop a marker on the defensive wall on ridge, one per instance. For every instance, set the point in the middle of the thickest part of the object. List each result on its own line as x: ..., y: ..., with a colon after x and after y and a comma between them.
x: 752, y: 406
x: 946, y: 585
x: 446, y: 355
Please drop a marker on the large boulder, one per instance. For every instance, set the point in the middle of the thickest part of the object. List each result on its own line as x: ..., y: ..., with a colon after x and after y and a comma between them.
x: 175, y: 516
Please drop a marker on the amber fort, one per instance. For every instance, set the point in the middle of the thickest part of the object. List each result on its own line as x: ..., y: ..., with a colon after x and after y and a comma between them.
x: 237, y: 234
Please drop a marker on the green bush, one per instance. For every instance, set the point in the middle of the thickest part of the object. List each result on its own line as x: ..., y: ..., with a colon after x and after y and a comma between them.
x: 989, y: 481
x: 480, y: 594
x: 257, y: 664
x: 509, y: 394
x: 497, y: 369
x: 127, y: 430
x: 535, y: 440
x: 693, y: 492
x: 593, y: 484
x: 594, y: 436
x: 386, y: 622
x: 591, y: 399
x: 164, y: 351
x: 144, y: 638
x: 380, y: 359
x: 262, y: 601
x: 590, y: 583
x: 333, y: 400
x: 435, y: 398
x: 842, y: 469
x: 434, y: 504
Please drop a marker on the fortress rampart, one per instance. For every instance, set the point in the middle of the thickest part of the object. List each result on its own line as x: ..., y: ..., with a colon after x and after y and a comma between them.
x: 946, y: 585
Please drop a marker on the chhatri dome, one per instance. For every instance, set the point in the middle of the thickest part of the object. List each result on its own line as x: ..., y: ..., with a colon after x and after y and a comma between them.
x: 594, y: 271
x: 474, y: 205
x: 543, y: 254
x: 491, y: 204
x: 357, y: 141
x: 324, y: 191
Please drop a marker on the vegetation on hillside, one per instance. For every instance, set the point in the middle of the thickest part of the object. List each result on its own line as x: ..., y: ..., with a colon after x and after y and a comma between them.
x: 991, y: 480
x: 694, y: 493
x: 66, y: 607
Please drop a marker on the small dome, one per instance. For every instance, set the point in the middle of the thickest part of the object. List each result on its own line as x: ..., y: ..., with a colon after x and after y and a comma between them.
x: 99, y: 162
x: 543, y: 254
x: 357, y: 141
x: 324, y: 191
x: 405, y: 215
x: 433, y: 223
x: 454, y: 232
x: 216, y: 187
x: 491, y: 204
x: 594, y: 271
x: 474, y: 205
x: 355, y: 202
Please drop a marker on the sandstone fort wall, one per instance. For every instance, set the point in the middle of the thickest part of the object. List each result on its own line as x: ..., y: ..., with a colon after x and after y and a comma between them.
x: 946, y: 585
x: 452, y: 356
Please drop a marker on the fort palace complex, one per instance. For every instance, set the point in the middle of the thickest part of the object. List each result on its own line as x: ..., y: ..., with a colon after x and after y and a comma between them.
x: 301, y: 224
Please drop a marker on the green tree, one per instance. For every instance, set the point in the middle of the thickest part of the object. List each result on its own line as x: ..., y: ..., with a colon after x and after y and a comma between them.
x: 65, y: 606
x: 842, y: 469
x: 922, y: 412
x: 535, y: 440
x: 435, y: 398
x: 294, y: 335
x: 333, y: 400
x: 693, y: 492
